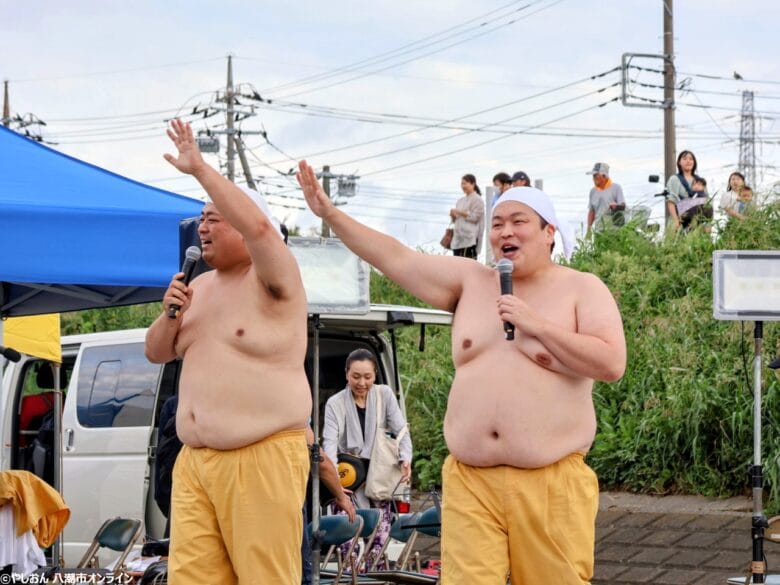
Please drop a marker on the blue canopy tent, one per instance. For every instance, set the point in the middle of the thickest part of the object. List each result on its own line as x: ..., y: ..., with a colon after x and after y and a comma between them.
x: 75, y: 236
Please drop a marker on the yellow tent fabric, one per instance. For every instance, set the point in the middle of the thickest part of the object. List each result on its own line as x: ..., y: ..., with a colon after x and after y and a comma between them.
x: 37, y: 335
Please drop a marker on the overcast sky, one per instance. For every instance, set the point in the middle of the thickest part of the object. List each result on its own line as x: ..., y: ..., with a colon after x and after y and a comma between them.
x: 407, y: 95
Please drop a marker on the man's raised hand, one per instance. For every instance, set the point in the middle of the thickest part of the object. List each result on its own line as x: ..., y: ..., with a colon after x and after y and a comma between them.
x: 316, y: 198
x: 189, y: 160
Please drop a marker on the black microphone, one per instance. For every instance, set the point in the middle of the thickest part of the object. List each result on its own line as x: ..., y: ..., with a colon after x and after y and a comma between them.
x: 191, y: 257
x: 505, y: 268
x: 10, y: 354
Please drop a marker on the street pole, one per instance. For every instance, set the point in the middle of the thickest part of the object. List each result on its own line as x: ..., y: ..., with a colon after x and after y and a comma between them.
x: 670, y: 146
x: 326, y: 187
x: 231, y: 149
x: 6, y: 106
x: 250, y: 182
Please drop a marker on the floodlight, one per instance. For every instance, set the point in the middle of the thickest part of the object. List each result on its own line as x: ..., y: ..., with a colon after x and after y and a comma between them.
x: 746, y: 285
x: 335, y: 280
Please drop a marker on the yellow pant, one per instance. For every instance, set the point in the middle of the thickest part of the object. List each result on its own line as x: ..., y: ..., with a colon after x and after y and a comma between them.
x: 236, y: 515
x: 538, y: 525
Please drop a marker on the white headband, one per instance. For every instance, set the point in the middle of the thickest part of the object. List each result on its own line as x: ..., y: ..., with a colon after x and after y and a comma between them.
x: 260, y: 202
x: 540, y: 202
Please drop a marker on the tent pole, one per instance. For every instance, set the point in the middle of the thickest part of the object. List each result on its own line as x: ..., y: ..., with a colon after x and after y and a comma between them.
x: 57, y: 554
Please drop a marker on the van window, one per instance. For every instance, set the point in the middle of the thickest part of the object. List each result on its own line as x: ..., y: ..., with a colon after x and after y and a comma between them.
x: 116, y: 387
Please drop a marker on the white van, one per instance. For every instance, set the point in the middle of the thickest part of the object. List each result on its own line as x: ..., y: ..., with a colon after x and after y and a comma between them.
x: 112, y: 403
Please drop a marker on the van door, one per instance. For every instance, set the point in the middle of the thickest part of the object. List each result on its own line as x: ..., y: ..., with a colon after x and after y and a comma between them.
x: 107, y: 425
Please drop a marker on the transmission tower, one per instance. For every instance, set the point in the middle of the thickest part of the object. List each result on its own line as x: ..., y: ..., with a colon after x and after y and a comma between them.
x: 747, y: 139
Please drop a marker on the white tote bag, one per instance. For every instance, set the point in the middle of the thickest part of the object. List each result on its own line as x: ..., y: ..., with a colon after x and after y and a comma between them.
x: 384, y: 471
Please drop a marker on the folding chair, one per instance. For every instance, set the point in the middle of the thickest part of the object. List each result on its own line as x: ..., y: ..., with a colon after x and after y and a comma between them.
x: 117, y: 534
x: 428, y: 523
x: 399, y: 532
x: 334, y: 531
x: 371, y: 518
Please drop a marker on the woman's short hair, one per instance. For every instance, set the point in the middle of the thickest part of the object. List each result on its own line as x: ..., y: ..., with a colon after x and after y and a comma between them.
x: 361, y: 355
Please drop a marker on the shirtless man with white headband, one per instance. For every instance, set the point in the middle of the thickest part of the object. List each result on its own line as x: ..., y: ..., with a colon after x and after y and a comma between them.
x: 244, y: 401
x: 518, y: 497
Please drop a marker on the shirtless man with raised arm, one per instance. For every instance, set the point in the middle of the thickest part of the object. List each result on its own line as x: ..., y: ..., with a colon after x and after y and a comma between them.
x: 518, y: 497
x: 244, y: 401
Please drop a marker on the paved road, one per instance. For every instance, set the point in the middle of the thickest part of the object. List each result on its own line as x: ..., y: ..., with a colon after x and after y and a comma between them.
x: 673, y: 540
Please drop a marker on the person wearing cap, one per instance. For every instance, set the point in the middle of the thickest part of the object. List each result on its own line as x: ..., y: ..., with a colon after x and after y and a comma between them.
x: 606, y: 201
x: 518, y: 496
x: 520, y: 179
x: 244, y: 400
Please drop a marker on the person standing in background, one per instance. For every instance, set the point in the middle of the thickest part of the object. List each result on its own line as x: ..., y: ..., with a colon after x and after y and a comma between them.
x: 467, y: 216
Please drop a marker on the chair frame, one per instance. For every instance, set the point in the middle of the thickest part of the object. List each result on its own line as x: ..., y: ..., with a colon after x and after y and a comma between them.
x: 339, y: 560
x: 363, y: 559
x: 95, y: 546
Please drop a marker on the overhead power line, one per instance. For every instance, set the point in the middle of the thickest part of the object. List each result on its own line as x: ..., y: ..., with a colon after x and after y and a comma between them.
x: 419, y: 43
x: 492, y: 140
x: 460, y: 41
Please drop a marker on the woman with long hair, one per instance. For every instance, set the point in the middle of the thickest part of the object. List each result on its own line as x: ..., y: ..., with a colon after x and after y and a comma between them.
x: 683, y: 203
x: 467, y: 218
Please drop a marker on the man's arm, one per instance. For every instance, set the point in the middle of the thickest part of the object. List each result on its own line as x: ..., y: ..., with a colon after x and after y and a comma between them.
x: 596, y: 350
x: 330, y: 477
x: 161, y: 335
x: 273, y: 262
x: 591, y: 218
x: 620, y: 200
x: 437, y: 280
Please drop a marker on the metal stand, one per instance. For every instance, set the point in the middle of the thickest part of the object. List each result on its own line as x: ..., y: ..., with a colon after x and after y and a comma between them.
x: 316, y: 537
x: 755, y: 471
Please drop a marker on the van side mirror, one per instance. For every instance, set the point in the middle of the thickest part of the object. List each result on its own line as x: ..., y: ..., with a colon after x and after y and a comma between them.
x: 653, y: 179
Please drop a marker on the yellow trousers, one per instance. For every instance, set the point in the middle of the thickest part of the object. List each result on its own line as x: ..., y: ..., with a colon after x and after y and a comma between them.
x: 236, y: 515
x: 537, y: 525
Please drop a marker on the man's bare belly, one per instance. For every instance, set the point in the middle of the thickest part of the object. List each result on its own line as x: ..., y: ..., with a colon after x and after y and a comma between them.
x: 228, y: 401
x: 504, y: 409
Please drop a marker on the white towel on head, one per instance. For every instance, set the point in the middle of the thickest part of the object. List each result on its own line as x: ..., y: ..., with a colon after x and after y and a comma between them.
x: 260, y: 202
x: 540, y: 202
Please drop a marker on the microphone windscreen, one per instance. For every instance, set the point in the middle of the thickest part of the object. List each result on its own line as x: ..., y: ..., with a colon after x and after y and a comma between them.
x: 505, y: 266
x: 192, y: 253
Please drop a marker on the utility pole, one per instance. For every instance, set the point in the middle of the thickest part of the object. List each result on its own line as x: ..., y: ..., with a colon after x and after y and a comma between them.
x: 326, y: 187
x: 747, y: 139
x: 231, y: 166
x: 670, y: 139
x: 6, y: 106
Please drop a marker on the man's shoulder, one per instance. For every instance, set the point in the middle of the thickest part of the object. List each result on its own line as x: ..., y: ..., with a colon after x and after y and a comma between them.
x: 572, y: 276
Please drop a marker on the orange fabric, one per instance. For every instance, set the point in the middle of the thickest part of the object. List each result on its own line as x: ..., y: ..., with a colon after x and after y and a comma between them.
x: 37, y: 505
x: 606, y: 186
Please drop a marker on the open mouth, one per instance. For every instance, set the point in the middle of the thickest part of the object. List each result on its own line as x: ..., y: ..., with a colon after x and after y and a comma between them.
x: 508, y: 249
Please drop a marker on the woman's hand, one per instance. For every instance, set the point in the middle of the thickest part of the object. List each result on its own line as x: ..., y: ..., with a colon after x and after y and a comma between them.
x: 453, y: 214
x: 406, y: 472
